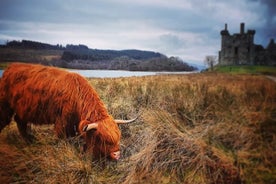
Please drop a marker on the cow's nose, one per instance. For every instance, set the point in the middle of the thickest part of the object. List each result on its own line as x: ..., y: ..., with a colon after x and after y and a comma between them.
x: 115, y: 155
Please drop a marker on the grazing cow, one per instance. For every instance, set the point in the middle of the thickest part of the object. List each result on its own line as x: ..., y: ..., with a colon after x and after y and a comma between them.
x: 46, y: 95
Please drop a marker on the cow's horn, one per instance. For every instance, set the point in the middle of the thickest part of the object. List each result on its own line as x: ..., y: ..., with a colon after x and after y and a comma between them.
x: 90, y: 127
x: 120, y: 121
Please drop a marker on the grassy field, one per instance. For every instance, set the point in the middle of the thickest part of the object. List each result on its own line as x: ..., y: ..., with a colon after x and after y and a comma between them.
x: 247, y: 69
x: 198, y: 128
x: 27, y: 55
x: 12, y: 54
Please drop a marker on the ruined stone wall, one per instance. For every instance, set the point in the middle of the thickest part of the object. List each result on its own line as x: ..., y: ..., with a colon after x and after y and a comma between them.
x: 239, y: 49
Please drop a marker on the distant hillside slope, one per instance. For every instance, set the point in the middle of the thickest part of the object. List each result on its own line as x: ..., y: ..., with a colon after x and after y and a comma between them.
x: 80, y: 52
x: 82, y: 57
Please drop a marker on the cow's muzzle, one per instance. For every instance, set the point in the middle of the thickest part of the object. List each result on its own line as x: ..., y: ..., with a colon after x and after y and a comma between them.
x: 115, y: 155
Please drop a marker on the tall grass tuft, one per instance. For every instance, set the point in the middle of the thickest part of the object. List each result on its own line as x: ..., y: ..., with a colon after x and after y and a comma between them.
x: 173, y: 156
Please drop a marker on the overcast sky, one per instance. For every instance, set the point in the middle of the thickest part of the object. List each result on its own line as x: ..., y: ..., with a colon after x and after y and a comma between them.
x: 189, y: 29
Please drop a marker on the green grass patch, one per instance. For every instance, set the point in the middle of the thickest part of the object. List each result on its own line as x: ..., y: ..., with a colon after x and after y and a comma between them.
x: 267, y: 70
x: 3, y: 65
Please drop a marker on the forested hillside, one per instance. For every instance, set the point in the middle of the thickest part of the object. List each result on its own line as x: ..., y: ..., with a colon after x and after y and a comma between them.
x: 82, y: 57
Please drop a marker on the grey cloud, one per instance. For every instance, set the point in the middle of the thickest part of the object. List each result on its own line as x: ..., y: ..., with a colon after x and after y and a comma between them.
x: 268, y: 30
x: 121, y: 23
x: 171, y: 41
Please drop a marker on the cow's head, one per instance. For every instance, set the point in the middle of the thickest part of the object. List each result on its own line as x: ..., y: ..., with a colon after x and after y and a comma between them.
x: 103, y: 137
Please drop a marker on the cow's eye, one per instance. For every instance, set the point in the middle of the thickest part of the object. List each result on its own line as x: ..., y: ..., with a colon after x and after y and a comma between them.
x: 109, y: 143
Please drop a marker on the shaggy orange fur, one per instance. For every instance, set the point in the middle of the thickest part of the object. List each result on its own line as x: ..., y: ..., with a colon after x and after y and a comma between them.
x: 47, y: 95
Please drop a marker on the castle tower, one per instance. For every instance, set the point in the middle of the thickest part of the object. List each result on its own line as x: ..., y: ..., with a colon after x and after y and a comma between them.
x: 237, y: 49
x: 242, y: 28
x: 223, y: 53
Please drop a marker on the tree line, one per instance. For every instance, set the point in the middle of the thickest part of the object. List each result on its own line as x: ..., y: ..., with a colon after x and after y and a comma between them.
x: 82, y: 57
x: 27, y: 44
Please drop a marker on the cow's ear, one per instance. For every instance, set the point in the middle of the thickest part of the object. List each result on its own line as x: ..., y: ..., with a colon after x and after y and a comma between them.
x: 86, y: 125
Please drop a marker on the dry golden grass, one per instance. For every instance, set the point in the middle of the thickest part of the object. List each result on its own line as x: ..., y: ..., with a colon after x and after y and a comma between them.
x: 200, y: 128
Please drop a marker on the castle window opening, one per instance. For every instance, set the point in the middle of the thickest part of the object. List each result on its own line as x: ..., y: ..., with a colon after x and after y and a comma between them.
x: 236, y: 50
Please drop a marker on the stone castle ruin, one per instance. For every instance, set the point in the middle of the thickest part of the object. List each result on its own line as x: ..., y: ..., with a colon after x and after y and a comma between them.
x: 239, y: 49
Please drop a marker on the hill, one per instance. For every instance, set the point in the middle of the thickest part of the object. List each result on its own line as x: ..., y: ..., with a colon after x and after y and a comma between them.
x: 82, y: 57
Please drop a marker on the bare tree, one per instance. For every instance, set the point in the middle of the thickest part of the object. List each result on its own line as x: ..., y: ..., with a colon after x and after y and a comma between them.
x: 210, y: 61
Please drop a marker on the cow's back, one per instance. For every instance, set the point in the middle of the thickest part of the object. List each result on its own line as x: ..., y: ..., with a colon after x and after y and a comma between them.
x: 42, y: 94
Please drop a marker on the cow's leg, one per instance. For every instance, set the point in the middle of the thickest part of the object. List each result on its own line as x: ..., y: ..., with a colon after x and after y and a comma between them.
x: 6, y: 114
x: 24, y: 129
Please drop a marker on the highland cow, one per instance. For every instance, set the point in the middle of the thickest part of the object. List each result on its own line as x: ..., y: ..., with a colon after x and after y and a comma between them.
x: 39, y: 95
